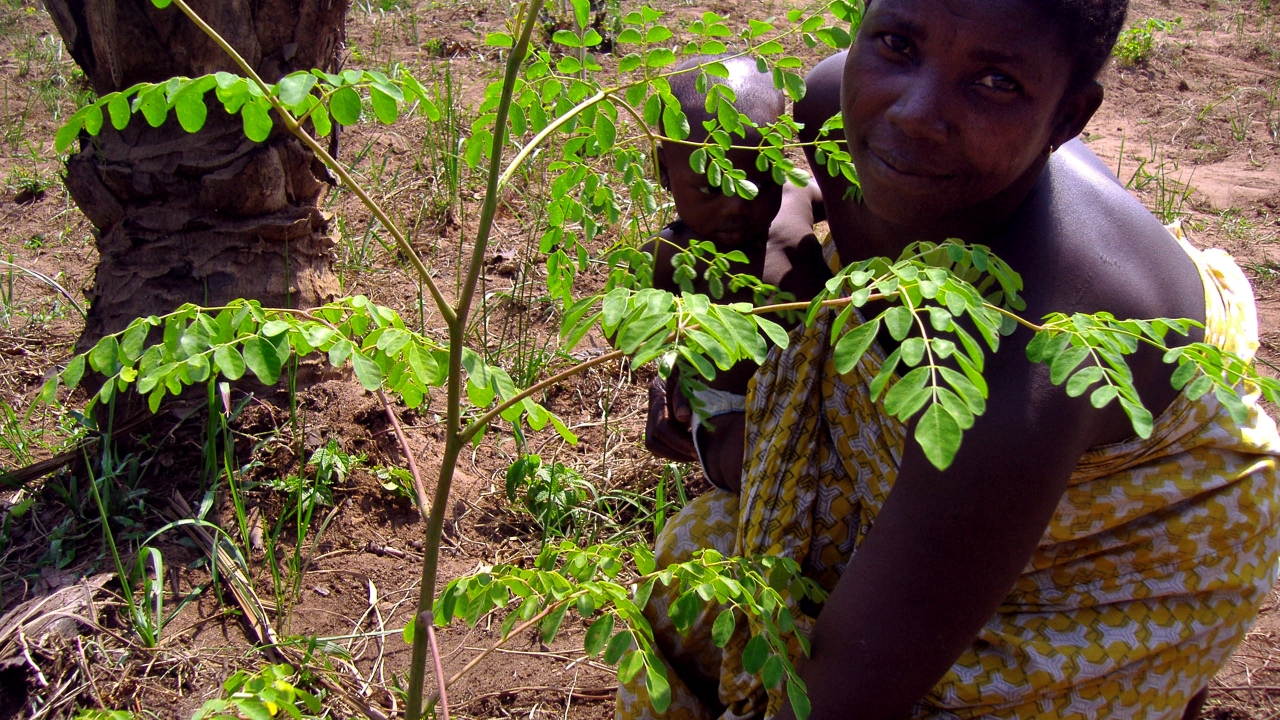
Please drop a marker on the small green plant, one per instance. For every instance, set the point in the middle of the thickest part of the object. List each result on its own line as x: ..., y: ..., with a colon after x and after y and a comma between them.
x: 551, y: 493
x: 397, y: 481
x: 94, y: 714
x: 266, y: 694
x: 1134, y: 45
x: 1154, y: 175
x: 28, y: 183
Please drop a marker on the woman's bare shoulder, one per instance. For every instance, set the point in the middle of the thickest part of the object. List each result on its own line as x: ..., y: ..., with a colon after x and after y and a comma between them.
x: 1096, y: 248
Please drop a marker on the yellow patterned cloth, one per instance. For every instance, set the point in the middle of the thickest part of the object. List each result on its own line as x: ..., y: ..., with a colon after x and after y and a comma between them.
x: 1153, y: 567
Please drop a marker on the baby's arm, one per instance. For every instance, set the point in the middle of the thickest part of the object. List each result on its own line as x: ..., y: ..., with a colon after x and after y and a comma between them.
x: 793, y: 258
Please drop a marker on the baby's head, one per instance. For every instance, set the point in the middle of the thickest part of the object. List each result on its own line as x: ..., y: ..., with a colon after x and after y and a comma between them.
x: 727, y: 220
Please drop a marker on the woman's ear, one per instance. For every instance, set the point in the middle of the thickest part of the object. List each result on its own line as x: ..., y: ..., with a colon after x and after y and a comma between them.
x: 1075, y: 111
x: 663, y: 177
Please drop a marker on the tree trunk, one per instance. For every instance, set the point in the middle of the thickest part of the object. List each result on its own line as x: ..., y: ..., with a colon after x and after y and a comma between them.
x: 205, y: 217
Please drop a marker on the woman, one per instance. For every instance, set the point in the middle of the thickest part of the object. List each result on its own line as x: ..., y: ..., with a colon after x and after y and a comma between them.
x: 1060, y: 567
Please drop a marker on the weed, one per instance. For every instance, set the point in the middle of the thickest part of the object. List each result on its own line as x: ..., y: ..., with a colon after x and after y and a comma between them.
x: 1233, y: 223
x: 1153, y: 176
x: 552, y: 493
x: 263, y: 694
x: 331, y: 466
x: 397, y: 481
x: 438, y: 158
x: 28, y: 183
x: 93, y: 714
x: 1267, y: 272
x: 1134, y: 45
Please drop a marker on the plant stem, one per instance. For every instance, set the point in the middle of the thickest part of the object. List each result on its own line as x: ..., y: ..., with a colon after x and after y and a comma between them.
x: 456, y: 319
x: 435, y: 657
x: 489, y: 207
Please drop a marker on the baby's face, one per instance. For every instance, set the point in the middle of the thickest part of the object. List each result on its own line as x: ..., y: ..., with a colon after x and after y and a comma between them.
x: 726, y: 220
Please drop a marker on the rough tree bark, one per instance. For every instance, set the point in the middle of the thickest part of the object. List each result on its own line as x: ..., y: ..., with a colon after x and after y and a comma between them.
x: 207, y: 217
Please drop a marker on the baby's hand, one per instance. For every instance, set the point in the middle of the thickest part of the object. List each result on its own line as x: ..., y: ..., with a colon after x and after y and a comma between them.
x: 666, y: 433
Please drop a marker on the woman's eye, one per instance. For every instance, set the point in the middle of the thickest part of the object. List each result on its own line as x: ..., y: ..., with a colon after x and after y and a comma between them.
x: 896, y: 43
x: 999, y: 82
x: 704, y: 190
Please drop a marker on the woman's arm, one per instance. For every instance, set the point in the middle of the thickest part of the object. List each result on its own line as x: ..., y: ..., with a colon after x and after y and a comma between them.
x: 947, y: 547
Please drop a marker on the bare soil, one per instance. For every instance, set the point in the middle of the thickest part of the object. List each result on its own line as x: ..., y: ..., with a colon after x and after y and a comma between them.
x: 1193, y: 129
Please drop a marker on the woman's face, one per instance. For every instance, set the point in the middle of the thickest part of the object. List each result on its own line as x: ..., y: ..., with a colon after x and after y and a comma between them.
x: 947, y: 103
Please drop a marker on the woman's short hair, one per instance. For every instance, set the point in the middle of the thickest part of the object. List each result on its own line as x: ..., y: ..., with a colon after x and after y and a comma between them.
x: 1090, y: 29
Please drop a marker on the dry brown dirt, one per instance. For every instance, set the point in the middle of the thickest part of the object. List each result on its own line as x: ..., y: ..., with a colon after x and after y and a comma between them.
x: 1193, y: 130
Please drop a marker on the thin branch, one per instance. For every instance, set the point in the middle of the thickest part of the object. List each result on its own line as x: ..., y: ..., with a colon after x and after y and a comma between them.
x: 476, y: 425
x: 419, y: 489
x: 485, y: 653
x: 297, y: 130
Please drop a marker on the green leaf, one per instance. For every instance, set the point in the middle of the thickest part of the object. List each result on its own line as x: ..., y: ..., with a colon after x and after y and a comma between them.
x: 67, y: 134
x: 74, y: 372
x: 261, y: 358
x: 659, y: 57
x: 295, y: 87
x: 903, y: 400
x: 252, y: 709
x: 424, y: 366
x: 191, y: 111
x: 644, y: 560
x: 939, y: 436
x: 384, y: 106
x: 777, y: 334
x: 722, y: 629
x: 606, y: 132
x: 618, y: 645
x: 913, y: 350
x: 257, y: 121
x: 898, y: 320
x: 598, y: 634
x: 229, y: 362
x: 637, y: 331
x: 755, y: 654
x: 131, y: 342
x: 659, y: 689
x: 566, y: 38
x: 1103, y: 395
x: 1081, y: 381
x: 772, y: 673
x: 498, y: 39
x: 104, y: 357
x: 854, y: 344
x: 47, y: 393
x: 367, y: 371
x: 1139, y: 416
x: 344, y: 104
x: 799, y: 700
x: 93, y: 119
x: 320, y: 119
x: 1066, y: 361
x: 551, y: 623
x: 631, y: 665
x: 118, y: 108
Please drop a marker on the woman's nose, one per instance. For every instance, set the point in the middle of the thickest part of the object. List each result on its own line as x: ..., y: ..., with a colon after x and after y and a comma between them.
x: 918, y: 109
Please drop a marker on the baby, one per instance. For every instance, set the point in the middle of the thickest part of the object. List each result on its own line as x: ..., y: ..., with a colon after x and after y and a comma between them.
x: 774, y: 229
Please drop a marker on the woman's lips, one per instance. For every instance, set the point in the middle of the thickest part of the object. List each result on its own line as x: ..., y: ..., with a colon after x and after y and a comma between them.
x: 904, y: 173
